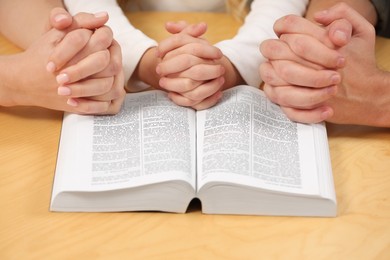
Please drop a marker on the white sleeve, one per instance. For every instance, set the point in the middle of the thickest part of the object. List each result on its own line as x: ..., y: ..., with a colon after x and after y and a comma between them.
x: 243, y: 50
x: 133, y: 42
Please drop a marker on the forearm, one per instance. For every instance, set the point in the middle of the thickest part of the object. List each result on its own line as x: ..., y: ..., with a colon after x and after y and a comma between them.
x: 364, y: 7
x: 22, y: 22
x: 380, y: 103
x: 9, y: 84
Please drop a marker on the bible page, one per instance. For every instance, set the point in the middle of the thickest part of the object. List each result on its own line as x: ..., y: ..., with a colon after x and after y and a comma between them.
x: 247, y: 140
x: 150, y: 140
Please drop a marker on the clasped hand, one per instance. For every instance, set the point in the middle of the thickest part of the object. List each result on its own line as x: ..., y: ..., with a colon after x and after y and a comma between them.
x: 73, y: 67
x: 190, y: 68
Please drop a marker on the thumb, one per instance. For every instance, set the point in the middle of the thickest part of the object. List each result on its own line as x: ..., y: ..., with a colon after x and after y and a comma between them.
x: 194, y: 30
x: 59, y: 19
x: 340, y: 32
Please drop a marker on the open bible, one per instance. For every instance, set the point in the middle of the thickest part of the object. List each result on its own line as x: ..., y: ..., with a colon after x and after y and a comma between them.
x: 242, y: 156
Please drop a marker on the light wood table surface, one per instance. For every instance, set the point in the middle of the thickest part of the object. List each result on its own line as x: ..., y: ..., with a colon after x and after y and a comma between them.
x: 28, y: 149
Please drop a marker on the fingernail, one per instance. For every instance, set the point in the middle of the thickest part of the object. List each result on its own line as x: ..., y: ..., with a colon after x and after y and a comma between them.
x: 101, y: 14
x: 158, y: 70
x: 340, y: 35
x: 64, y: 91
x: 326, y: 114
x: 60, y: 17
x: 335, y: 79
x: 51, y: 67
x: 161, y: 82
x: 62, y: 78
x: 72, y: 102
x: 340, y: 62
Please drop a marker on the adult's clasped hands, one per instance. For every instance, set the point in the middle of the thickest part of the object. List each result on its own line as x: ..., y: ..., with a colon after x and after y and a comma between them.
x: 55, y: 71
x: 326, y: 70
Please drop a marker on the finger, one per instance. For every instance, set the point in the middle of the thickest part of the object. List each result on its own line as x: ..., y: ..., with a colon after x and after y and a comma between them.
x: 275, y: 49
x: 92, y: 64
x: 204, y: 51
x: 195, y: 30
x: 269, y: 76
x: 296, y: 74
x: 299, y: 97
x: 311, y: 116
x: 59, y: 19
x: 88, y: 21
x: 88, y: 106
x: 87, y: 88
x: 181, y: 100
x: 70, y: 45
x: 101, y: 39
x: 343, y: 11
x: 116, y: 91
x: 115, y: 65
x: 175, y: 27
x: 208, y: 102
x: 62, y: 20
x: 116, y: 105
x: 205, y: 90
x: 109, y: 103
x: 180, y: 63
x: 176, y: 41
x: 340, y: 32
x: 299, y: 25
x: 313, y: 50
x: 202, y: 72
x: 178, y: 85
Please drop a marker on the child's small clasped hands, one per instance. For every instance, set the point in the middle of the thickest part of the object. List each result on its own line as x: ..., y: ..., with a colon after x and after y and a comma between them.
x: 191, y: 69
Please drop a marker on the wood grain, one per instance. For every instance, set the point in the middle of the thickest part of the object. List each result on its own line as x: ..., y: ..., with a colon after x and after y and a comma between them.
x: 28, y: 149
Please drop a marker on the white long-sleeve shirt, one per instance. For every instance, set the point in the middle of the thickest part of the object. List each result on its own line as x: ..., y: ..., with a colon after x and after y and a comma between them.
x: 242, y: 50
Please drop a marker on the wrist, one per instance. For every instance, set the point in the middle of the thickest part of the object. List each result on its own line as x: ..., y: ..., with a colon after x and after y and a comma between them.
x: 9, y: 85
x: 232, y: 76
x: 146, y: 68
x: 382, y: 100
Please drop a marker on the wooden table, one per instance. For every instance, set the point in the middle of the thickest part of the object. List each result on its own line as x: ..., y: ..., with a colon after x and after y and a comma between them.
x: 28, y: 149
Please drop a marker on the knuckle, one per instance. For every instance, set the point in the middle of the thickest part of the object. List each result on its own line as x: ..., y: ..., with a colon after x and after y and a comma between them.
x: 291, y: 115
x: 186, y: 61
x: 194, y: 96
x: 284, y: 72
x: 116, y: 66
x: 118, y: 92
x: 371, y: 29
x: 177, y: 39
x: 102, y: 59
x: 188, y: 84
x: 299, y: 46
x: 78, y: 37
x: 106, y: 85
x: 277, y: 98
x: 103, y: 37
x: 266, y: 73
x: 197, y: 72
